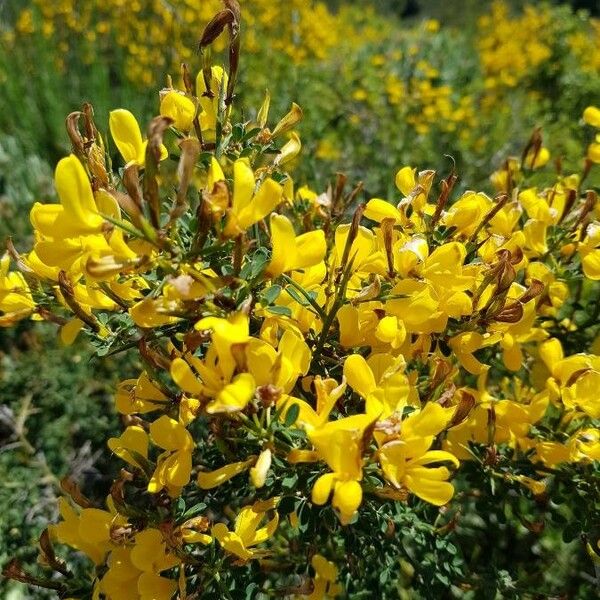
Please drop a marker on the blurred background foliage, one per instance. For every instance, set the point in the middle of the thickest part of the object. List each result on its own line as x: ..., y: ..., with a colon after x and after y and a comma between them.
x: 384, y: 83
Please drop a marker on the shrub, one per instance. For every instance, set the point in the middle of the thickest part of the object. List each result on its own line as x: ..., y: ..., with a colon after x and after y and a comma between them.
x: 335, y: 397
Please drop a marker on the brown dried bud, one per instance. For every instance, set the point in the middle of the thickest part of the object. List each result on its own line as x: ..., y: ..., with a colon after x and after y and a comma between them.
x: 511, y: 313
x: 14, y: 571
x: 156, y: 130
x: 131, y: 181
x: 72, y: 125
x: 268, y: 394
x: 535, y: 289
x: 48, y: 556
x: 465, y: 404
x: 190, y: 149
x: 387, y: 228
x: 70, y: 487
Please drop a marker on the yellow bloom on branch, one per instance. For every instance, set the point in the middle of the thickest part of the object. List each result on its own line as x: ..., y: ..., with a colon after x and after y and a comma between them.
x: 174, y: 466
x: 291, y: 252
x: 127, y: 136
x: 406, y: 461
x: 249, y: 203
x: 247, y: 531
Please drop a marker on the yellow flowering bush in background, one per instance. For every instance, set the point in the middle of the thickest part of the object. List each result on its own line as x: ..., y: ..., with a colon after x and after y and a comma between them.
x: 143, y: 29
x: 331, y: 386
x: 468, y: 90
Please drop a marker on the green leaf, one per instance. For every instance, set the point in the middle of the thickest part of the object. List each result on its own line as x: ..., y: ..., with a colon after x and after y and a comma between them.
x: 194, y: 510
x: 280, y: 310
x: 291, y: 416
x: 271, y: 294
x: 296, y: 296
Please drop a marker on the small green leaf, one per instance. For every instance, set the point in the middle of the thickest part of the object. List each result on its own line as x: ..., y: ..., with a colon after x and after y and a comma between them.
x: 291, y: 415
x: 280, y: 310
x: 271, y: 294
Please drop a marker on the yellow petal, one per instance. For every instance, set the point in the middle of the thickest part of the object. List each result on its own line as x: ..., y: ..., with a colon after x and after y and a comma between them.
x: 151, y: 586
x: 290, y: 150
x: 378, y: 210
x: 208, y: 480
x: 347, y: 497
x: 127, y: 135
x: 70, y: 330
x: 185, y: 378
x: 133, y: 438
x: 215, y: 173
x: 234, y: 396
x: 283, y: 243
x: 311, y: 249
x: 406, y: 180
x: 169, y: 434
x: 431, y: 490
x: 230, y: 541
x: 322, y: 488
x: 177, y: 468
x: 180, y: 108
x: 76, y: 196
x: 259, y: 472
x: 266, y: 199
x: 359, y: 376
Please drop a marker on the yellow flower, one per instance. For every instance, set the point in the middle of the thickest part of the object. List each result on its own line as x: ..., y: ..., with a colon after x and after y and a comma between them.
x: 132, y: 442
x: 77, y: 213
x: 137, y: 569
x: 207, y: 480
x: 128, y: 137
x: 246, y: 533
x: 325, y: 579
x: 589, y: 249
x: 467, y: 213
x: 425, y: 305
x: 340, y: 444
x: 178, y: 107
x: 406, y: 180
x: 249, y: 206
x: 586, y: 444
x: 537, y: 159
x: 211, y: 102
x: 215, y: 377
x: 139, y: 396
x: 150, y: 555
x: 591, y: 115
x: 87, y: 530
x: 70, y: 235
x: 577, y: 379
x: 291, y: 252
x: 328, y: 392
x: 380, y: 380
x: 282, y: 367
x: 405, y: 461
x: 593, y: 152
x: 259, y: 472
x: 175, y: 465
x: 16, y: 301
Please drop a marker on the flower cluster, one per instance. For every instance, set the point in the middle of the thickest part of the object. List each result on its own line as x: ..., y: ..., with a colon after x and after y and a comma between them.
x: 302, y: 353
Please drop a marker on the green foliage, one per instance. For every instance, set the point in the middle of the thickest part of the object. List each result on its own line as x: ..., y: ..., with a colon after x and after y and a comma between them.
x: 55, y: 417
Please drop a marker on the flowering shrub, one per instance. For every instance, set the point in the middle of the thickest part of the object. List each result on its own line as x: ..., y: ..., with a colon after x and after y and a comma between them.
x: 329, y: 387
